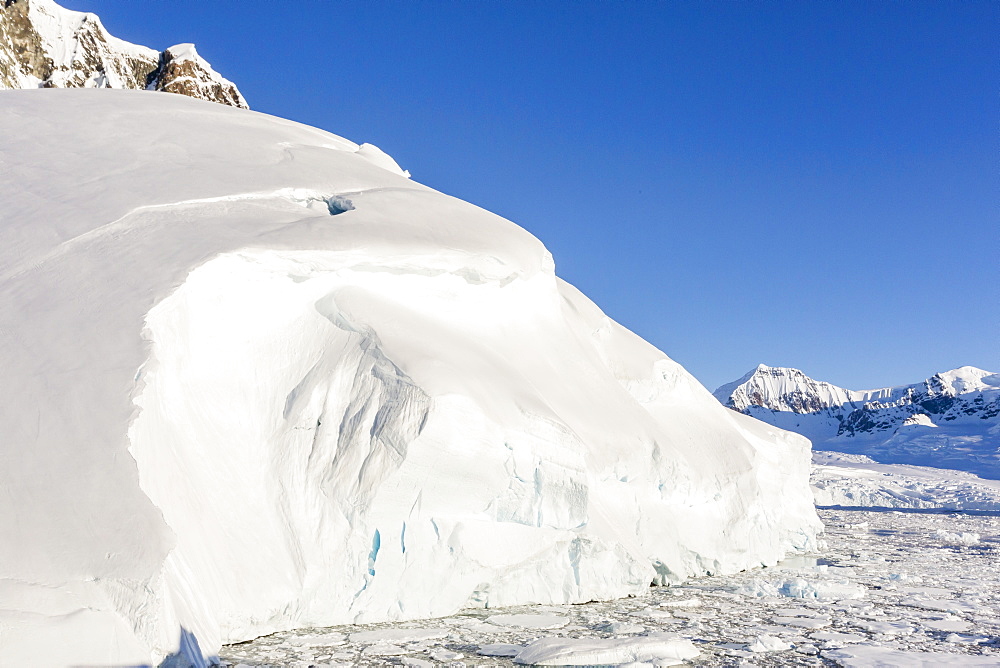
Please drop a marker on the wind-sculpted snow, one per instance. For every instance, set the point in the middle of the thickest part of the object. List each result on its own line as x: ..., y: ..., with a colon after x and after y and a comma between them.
x: 256, y: 379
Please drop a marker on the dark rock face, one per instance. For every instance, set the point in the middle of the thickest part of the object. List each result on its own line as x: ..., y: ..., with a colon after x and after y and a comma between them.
x: 935, y: 397
x: 43, y: 45
x: 20, y: 45
x: 191, y: 78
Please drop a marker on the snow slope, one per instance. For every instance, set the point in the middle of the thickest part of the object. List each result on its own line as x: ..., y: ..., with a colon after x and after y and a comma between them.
x: 950, y: 420
x: 257, y: 379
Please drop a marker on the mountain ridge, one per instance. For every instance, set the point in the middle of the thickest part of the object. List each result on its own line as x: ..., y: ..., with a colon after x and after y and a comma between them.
x: 939, y: 420
x: 44, y: 45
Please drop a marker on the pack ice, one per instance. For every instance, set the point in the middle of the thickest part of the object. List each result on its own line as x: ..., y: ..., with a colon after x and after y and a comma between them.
x: 256, y: 379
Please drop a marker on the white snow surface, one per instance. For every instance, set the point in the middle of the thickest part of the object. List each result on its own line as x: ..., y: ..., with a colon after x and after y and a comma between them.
x: 227, y: 412
x: 187, y: 51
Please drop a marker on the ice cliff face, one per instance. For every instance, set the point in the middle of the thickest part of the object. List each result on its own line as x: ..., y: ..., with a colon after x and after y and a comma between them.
x: 255, y: 378
x: 948, y: 419
x: 43, y: 45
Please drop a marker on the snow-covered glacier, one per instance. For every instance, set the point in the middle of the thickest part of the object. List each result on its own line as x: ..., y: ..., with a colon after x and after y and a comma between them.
x: 255, y: 378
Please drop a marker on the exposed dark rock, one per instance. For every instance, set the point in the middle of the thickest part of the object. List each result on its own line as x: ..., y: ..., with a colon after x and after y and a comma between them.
x: 186, y: 76
x: 95, y: 59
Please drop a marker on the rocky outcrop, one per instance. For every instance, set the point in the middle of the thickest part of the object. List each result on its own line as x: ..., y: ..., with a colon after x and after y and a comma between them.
x: 43, y: 45
x: 181, y: 70
x: 21, y: 52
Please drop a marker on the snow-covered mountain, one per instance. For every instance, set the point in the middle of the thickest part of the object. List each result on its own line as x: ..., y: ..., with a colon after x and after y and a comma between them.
x: 951, y: 420
x: 43, y: 45
x: 255, y: 378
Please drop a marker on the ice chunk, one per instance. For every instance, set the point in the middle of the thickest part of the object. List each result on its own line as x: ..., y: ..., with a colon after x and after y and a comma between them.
x: 950, y: 625
x: 500, y: 649
x: 622, y: 628
x: 445, y: 655
x: 397, y: 635
x: 318, y: 639
x: 867, y: 656
x: 821, y: 589
x: 653, y: 613
x: 964, y: 538
x: 946, y: 605
x: 816, y: 589
x: 803, y: 622
x: 416, y: 663
x: 768, y: 643
x: 529, y: 621
x: 663, y: 649
x: 887, y: 628
x: 383, y: 649
x: 837, y: 637
x: 682, y: 603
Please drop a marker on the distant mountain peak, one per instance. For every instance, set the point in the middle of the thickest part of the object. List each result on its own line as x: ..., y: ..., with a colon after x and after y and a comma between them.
x: 183, y: 71
x: 44, y: 45
x: 950, y: 418
x: 781, y: 389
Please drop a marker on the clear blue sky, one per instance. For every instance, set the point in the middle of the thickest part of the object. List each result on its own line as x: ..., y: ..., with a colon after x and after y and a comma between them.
x: 802, y: 184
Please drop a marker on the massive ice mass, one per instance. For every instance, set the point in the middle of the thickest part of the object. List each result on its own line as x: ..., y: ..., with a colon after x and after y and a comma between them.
x: 228, y: 412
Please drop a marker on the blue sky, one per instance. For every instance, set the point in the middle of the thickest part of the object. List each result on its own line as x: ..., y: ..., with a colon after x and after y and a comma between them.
x: 795, y: 183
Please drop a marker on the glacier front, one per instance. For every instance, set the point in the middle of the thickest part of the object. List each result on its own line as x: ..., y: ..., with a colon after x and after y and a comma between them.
x: 255, y: 378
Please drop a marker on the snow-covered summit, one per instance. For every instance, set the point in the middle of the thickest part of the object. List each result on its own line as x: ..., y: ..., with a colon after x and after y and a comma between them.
x: 785, y: 389
x: 964, y: 403
x: 43, y: 45
x: 256, y: 379
x: 182, y: 70
x: 790, y: 390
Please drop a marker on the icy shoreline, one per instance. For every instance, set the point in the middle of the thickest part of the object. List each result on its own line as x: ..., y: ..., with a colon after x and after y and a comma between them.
x: 908, y: 580
x: 905, y: 588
